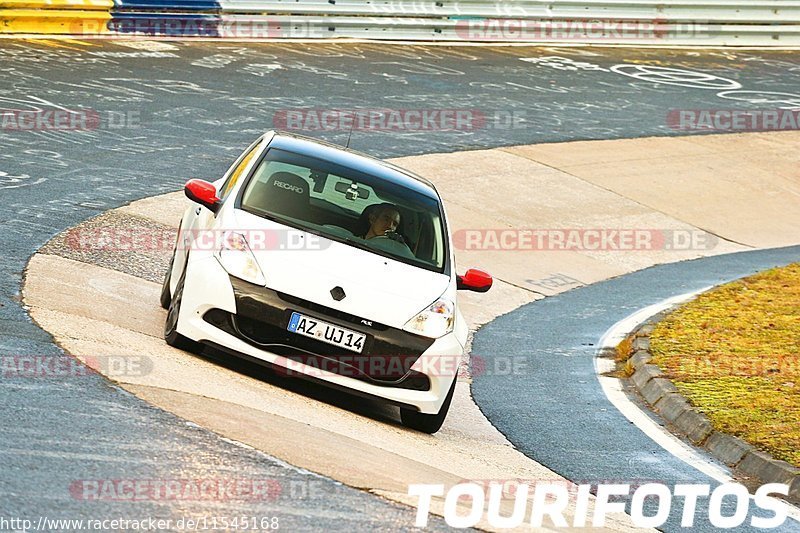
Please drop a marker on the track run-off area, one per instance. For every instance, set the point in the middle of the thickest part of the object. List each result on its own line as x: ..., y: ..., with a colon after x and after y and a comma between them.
x: 170, y: 111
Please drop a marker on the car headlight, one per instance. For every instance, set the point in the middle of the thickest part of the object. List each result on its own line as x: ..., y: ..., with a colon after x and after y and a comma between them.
x: 238, y: 260
x: 434, y: 321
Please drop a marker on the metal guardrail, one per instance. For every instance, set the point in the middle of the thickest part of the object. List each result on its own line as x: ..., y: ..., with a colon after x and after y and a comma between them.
x: 159, y: 6
x: 639, y: 22
x: 684, y: 10
x: 551, y: 31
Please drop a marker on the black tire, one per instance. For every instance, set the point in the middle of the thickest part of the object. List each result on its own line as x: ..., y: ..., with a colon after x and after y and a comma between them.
x: 171, y: 335
x: 428, y: 423
x: 166, y: 297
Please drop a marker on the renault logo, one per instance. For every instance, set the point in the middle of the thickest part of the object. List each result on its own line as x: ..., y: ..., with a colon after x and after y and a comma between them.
x: 338, y: 293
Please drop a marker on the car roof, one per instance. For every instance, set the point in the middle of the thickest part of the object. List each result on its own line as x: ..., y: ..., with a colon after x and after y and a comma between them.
x: 358, y: 161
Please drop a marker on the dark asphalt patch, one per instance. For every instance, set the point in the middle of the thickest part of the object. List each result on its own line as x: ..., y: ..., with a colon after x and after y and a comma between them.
x: 118, y: 241
x: 556, y: 413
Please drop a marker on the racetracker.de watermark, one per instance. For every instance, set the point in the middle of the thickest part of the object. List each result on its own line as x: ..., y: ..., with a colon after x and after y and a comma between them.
x: 194, y: 489
x: 204, y: 26
x: 573, y: 239
x: 140, y: 240
x: 206, y: 489
x: 65, y: 366
x: 535, y: 29
x: 430, y: 119
x: 66, y: 120
x: 734, y: 119
x: 395, y: 367
x: 746, y: 366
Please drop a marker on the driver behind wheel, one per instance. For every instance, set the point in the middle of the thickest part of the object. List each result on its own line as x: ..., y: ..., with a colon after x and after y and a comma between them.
x: 383, y: 222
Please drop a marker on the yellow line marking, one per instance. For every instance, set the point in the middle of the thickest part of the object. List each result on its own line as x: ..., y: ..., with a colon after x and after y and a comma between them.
x: 43, y: 42
x: 75, y: 41
x: 54, y: 43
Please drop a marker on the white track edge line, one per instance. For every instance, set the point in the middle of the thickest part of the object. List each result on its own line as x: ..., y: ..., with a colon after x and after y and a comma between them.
x: 612, y: 388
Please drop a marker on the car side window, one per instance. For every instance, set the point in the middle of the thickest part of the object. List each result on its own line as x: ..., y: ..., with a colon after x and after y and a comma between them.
x: 238, y: 171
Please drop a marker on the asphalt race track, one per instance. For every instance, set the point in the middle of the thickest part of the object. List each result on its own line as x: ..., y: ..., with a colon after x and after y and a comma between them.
x: 189, y: 110
x: 556, y: 412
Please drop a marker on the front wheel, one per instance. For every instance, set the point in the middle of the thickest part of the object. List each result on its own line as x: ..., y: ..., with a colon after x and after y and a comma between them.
x: 171, y: 334
x: 428, y: 423
x: 166, y: 297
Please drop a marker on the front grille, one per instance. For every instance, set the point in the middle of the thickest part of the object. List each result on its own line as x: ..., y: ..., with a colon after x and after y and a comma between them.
x: 263, y: 316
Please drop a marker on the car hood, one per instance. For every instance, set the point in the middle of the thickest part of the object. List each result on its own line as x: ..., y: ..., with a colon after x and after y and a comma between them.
x: 376, y: 288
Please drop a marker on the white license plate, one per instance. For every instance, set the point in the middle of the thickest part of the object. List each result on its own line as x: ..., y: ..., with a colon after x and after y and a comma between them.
x: 325, y: 332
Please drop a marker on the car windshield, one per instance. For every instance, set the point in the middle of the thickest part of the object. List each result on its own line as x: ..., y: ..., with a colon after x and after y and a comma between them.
x: 348, y: 206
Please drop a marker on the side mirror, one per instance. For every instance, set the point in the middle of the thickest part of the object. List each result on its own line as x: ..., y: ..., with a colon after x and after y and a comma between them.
x: 203, y: 193
x: 474, y: 280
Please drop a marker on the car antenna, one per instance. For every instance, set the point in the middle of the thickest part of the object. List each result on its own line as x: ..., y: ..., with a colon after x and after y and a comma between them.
x: 349, y: 135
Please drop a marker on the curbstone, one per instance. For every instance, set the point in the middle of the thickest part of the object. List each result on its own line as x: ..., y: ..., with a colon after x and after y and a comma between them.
x: 660, y: 316
x: 667, y: 401
x: 610, y: 353
x: 645, y: 374
x: 672, y: 406
x: 695, y: 425
x: 762, y: 466
x: 640, y: 358
x: 641, y: 343
x: 656, y: 389
x: 728, y: 449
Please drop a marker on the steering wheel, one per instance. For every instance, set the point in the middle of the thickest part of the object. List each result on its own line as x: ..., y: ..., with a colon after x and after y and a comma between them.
x: 394, y: 245
x: 392, y: 235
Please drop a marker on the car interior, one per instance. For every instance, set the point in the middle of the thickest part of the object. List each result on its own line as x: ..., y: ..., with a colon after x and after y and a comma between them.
x: 320, y: 200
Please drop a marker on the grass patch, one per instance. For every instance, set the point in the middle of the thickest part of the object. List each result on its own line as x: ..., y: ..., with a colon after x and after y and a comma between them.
x: 623, y: 368
x: 624, y: 350
x: 734, y: 352
x: 622, y: 357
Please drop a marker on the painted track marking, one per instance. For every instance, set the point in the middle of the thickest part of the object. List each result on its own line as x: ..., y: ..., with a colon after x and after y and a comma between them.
x: 612, y: 388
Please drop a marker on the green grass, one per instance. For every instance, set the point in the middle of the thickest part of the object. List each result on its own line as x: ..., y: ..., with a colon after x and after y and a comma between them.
x: 734, y: 352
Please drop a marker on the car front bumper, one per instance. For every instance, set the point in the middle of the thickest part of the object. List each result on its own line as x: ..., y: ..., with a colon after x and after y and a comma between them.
x: 209, y: 289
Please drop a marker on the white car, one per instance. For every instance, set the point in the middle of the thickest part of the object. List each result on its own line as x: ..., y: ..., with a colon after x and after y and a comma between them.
x: 329, y: 265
